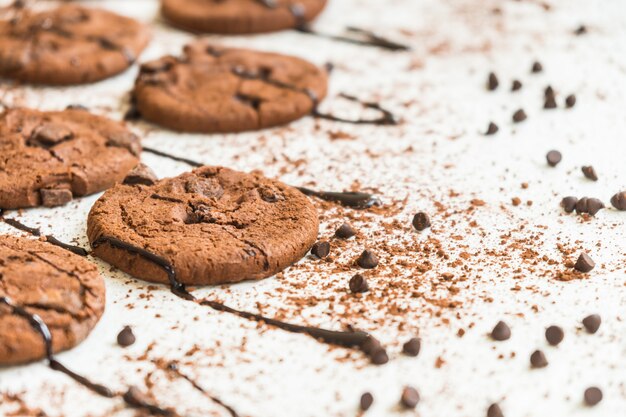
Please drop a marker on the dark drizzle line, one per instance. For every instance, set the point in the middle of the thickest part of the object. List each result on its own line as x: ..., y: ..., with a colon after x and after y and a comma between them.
x: 333, y: 337
x: 172, y: 157
x: 387, y: 118
x: 349, y: 198
x: 173, y: 367
x: 363, y: 37
x: 176, y: 287
x: 40, y: 327
x: 49, y: 238
x: 353, y: 339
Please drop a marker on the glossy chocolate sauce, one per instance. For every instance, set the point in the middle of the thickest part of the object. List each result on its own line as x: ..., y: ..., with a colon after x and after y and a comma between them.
x: 50, y: 239
x: 352, y: 339
x: 349, y: 198
x: 173, y: 367
x: 172, y: 157
x: 355, y: 35
x: 40, y: 327
x: 386, y: 119
x: 176, y: 287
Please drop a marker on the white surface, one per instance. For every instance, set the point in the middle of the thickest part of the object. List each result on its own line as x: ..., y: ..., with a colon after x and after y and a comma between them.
x: 438, y: 89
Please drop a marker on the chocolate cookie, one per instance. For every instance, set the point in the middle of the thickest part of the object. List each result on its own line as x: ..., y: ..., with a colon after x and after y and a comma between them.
x: 65, y: 290
x: 240, y: 16
x: 212, y: 225
x: 68, y: 45
x: 46, y: 158
x: 214, y: 89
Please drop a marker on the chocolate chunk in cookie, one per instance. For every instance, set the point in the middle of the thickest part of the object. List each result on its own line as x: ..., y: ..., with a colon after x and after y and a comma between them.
x: 46, y: 158
x: 240, y: 16
x: 65, y: 290
x: 212, y: 89
x: 212, y: 226
x: 68, y: 45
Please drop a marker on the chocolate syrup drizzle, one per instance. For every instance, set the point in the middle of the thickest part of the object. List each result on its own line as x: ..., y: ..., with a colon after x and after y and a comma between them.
x: 361, y: 37
x: 352, y: 339
x: 49, y: 238
x: 40, y: 327
x: 352, y: 199
x: 172, y: 157
x: 386, y: 119
x: 173, y: 367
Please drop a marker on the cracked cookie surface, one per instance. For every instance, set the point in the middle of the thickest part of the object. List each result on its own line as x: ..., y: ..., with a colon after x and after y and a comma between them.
x: 211, y: 89
x: 213, y: 225
x: 47, y: 158
x: 68, y: 45
x: 65, y: 290
x: 240, y: 16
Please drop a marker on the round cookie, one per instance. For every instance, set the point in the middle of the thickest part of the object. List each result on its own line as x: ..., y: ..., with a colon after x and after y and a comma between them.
x: 65, y: 290
x: 212, y: 225
x: 68, y: 45
x: 46, y: 158
x: 213, y: 89
x: 240, y: 16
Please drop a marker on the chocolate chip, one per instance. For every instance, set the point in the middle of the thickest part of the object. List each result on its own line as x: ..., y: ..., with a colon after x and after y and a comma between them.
x: 51, y: 134
x: 553, y: 158
x: 548, y: 91
x: 126, y: 337
x: 421, y: 221
x: 358, y: 284
x: 581, y: 205
x: 593, y: 396
x: 321, y: 249
x: 549, y: 102
x: 590, y: 173
x: 127, y: 140
x: 367, y: 259
x: 537, y: 67
x: 379, y: 357
x: 410, y: 397
x: 370, y: 345
x: 554, y: 335
x: 569, y: 203
x: 55, y: 197
x: 516, y: 85
x: 366, y: 402
x: 501, y: 332
x: 570, y: 101
x: 538, y: 359
x: 412, y: 347
x: 141, y: 174
x: 592, y: 323
x: 594, y: 206
x: 519, y: 116
x: 584, y: 263
x: 492, y: 129
x: 345, y: 231
x: 492, y: 82
x: 580, y: 30
x: 619, y: 201
x: 494, y: 411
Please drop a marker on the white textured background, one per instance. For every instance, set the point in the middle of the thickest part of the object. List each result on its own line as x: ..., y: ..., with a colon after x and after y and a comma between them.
x: 438, y: 89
